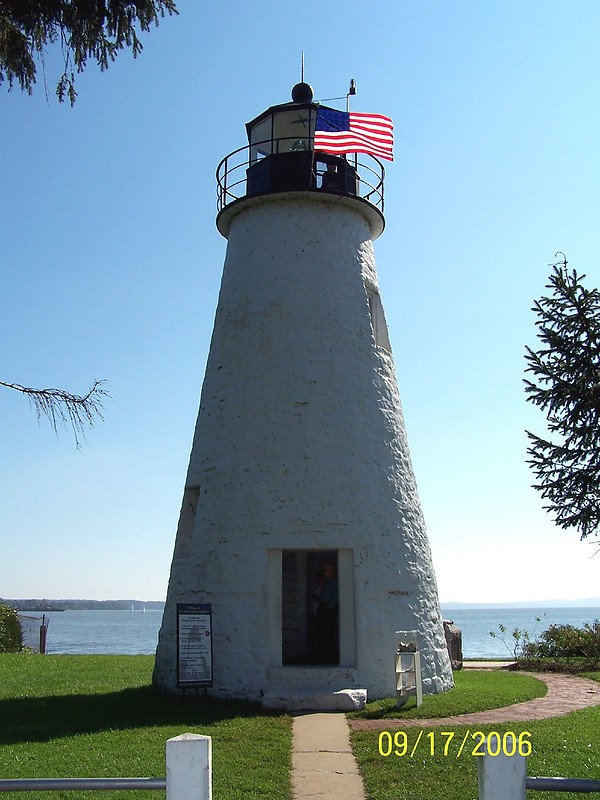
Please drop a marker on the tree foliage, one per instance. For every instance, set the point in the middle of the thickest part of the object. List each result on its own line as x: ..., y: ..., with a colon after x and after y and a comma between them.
x: 565, y: 384
x: 63, y: 409
x: 11, y: 634
x: 95, y: 29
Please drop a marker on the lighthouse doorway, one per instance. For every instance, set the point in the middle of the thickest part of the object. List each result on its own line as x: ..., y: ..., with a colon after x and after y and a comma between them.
x: 310, y: 629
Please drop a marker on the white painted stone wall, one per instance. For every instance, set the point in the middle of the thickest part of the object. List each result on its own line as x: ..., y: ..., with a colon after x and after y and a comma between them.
x: 300, y: 444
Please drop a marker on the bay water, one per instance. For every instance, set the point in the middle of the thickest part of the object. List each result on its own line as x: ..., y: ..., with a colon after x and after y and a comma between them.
x: 115, y: 632
x: 476, y: 623
x: 133, y: 632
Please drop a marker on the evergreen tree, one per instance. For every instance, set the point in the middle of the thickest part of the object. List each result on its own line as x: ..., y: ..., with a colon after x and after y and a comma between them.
x: 566, y: 386
x: 95, y: 29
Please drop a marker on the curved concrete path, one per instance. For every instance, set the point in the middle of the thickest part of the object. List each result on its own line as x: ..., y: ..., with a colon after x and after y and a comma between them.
x: 323, y: 766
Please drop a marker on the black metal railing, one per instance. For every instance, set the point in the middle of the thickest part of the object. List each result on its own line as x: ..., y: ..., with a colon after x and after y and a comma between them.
x: 249, y: 172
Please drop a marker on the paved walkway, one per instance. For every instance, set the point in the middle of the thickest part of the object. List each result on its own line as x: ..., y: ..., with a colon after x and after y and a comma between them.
x: 565, y: 694
x: 322, y: 761
x: 323, y: 765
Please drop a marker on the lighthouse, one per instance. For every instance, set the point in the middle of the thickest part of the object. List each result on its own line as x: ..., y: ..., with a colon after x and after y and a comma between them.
x: 301, y: 547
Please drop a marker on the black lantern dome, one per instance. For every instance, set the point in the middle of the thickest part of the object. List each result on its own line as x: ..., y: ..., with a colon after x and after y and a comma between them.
x: 302, y: 93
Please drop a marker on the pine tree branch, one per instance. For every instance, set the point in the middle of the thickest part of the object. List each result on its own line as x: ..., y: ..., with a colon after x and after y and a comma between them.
x: 96, y: 30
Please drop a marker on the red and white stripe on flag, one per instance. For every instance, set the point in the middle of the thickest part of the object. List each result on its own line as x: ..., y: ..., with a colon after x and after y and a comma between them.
x: 340, y: 132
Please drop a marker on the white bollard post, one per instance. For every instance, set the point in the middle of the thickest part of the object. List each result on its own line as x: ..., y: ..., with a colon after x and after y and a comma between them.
x: 501, y: 777
x: 189, y: 767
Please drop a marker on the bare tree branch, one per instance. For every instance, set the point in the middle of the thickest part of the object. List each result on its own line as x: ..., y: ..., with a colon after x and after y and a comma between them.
x: 65, y: 409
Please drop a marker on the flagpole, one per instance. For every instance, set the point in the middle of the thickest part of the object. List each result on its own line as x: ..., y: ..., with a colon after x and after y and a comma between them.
x: 351, y: 90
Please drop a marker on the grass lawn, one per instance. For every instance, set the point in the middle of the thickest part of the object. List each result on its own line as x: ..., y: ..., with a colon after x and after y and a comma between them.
x: 563, y: 746
x: 97, y: 716
x: 474, y: 691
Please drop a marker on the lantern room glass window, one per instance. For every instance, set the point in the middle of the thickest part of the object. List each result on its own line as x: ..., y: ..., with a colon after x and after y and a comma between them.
x: 286, y: 131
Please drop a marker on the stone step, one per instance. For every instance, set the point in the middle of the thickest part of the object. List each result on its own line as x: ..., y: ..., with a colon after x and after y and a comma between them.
x: 314, y: 699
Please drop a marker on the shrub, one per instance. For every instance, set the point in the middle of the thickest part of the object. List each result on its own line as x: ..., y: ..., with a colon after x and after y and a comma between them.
x: 11, y: 635
x: 565, y: 642
x: 521, y: 640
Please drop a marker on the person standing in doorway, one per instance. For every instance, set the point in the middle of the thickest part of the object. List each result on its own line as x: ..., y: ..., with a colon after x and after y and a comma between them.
x: 327, y: 617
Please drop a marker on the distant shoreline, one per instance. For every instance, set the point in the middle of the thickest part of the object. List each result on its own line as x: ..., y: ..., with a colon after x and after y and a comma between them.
x: 41, y: 605
x: 587, y: 602
x: 82, y: 605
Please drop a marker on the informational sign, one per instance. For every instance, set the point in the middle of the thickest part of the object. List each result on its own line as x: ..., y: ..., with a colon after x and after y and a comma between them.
x: 194, y: 645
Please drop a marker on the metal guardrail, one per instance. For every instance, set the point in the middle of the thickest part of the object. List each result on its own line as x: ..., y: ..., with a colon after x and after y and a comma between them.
x: 80, y: 784
x: 503, y: 775
x: 231, y: 173
x: 188, y: 768
x: 576, y: 785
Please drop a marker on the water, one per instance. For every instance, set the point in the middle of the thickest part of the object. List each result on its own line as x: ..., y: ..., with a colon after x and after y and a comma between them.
x: 476, y: 624
x: 118, y: 632
x: 129, y: 633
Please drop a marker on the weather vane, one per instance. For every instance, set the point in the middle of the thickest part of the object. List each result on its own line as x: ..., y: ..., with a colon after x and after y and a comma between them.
x: 351, y: 91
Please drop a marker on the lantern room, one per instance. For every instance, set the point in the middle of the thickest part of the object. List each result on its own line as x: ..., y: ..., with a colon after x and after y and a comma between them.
x: 281, y: 157
x: 286, y: 128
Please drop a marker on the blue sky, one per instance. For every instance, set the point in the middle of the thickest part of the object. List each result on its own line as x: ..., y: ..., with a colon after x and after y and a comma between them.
x: 110, y: 264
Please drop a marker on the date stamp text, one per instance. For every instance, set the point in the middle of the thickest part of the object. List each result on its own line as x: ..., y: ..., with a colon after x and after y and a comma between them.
x: 453, y: 745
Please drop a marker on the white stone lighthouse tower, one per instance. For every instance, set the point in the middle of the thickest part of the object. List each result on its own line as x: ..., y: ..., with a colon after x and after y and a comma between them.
x: 301, y: 530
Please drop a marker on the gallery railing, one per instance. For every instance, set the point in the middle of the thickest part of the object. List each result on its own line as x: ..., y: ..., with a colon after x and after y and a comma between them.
x: 287, y: 164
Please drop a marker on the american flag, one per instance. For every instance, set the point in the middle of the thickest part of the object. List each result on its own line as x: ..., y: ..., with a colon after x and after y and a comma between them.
x: 348, y: 132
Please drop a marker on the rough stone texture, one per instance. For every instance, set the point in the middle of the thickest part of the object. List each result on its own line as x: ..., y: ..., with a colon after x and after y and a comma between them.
x: 453, y: 636
x: 300, y: 444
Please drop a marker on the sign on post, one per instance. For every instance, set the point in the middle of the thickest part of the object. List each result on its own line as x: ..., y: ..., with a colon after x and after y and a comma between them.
x: 194, y: 645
